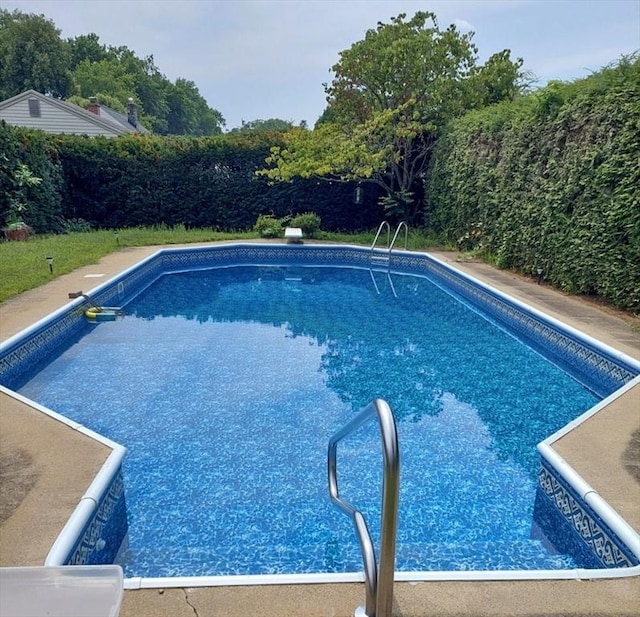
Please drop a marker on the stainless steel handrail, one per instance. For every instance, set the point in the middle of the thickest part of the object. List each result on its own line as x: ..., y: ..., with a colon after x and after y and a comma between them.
x: 395, y: 236
x: 378, y: 582
x: 380, y: 228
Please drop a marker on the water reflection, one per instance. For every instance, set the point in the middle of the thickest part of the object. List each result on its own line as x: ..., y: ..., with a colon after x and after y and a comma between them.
x: 402, y: 339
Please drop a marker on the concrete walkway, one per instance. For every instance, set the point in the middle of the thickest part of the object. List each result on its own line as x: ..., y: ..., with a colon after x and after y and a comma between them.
x: 45, y: 466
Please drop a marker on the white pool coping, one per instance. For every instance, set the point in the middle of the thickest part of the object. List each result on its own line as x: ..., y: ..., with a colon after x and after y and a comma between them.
x: 91, y: 499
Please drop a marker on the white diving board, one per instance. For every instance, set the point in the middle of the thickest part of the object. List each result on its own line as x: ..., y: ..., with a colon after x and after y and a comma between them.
x: 293, y: 234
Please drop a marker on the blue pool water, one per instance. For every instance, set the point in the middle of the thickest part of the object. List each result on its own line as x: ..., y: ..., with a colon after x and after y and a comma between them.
x: 226, y: 384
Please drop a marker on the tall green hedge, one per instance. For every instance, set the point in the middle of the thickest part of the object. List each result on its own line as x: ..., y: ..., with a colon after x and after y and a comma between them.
x: 550, y: 182
x: 150, y: 180
x: 201, y: 182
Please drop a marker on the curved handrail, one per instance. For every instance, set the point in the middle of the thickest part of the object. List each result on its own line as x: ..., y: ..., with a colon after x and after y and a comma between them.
x: 395, y: 236
x: 378, y: 583
x: 380, y: 228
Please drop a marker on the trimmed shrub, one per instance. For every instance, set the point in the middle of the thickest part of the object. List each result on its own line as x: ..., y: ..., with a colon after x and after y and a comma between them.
x: 309, y: 222
x: 268, y: 226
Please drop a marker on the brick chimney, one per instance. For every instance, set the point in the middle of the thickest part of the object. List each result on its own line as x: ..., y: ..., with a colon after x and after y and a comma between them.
x: 94, y: 106
x: 132, y: 113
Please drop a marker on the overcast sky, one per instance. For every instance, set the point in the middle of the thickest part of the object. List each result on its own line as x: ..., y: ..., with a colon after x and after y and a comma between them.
x: 260, y: 59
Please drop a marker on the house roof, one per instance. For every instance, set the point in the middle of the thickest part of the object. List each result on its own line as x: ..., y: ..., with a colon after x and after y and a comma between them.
x: 109, y: 119
x: 122, y: 119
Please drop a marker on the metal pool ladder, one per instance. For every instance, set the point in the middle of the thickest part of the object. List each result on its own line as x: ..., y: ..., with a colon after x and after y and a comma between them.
x: 378, y: 581
x: 390, y: 244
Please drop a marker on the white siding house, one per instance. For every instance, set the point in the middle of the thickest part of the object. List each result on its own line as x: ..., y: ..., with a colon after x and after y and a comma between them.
x: 33, y: 110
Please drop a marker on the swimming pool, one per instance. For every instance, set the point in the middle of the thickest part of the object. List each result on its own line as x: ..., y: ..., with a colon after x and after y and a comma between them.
x: 448, y: 412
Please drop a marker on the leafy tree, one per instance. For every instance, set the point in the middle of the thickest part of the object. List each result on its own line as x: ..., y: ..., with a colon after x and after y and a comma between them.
x: 106, y: 76
x: 392, y: 94
x: 174, y: 109
x: 152, y: 88
x: 189, y: 113
x: 32, y: 56
x: 400, y: 62
x: 500, y: 79
x: 165, y: 108
x: 86, y: 47
x: 146, y: 84
x: 115, y: 74
x: 272, y: 124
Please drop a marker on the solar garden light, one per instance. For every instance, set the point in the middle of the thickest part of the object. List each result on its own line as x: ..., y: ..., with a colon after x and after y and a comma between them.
x: 117, y: 237
x: 50, y: 262
x: 539, y: 271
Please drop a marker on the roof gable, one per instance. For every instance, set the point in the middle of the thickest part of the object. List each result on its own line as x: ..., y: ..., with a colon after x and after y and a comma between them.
x: 111, y: 122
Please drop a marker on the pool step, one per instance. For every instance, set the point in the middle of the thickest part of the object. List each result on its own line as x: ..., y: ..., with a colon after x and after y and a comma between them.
x: 499, y: 555
x: 240, y: 560
x: 331, y: 557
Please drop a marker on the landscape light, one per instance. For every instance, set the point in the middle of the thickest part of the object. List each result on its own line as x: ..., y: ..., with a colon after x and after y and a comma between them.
x: 357, y: 196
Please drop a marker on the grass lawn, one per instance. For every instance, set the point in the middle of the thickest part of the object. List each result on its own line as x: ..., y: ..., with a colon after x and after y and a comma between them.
x: 23, y: 265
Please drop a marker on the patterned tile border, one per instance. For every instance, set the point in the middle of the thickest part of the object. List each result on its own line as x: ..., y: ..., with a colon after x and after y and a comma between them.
x: 22, y: 354
x: 105, y: 531
x: 587, y: 528
x: 26, y: 352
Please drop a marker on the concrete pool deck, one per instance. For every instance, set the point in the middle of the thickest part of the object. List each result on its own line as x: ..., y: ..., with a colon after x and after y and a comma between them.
x: 45, y: 467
